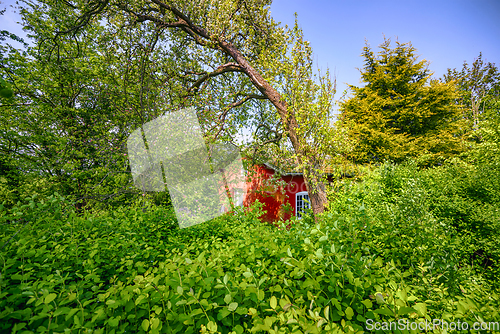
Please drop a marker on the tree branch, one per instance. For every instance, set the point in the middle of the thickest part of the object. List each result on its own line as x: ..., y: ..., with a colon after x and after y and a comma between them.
x: 95, y: 8
x: 235, y: 104
x: 229, y: 67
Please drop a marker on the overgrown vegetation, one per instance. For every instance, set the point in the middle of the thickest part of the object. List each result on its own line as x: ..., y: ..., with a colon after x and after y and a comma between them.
x: 447, y: 216
x: 413, y: 239
x: 405, y: 243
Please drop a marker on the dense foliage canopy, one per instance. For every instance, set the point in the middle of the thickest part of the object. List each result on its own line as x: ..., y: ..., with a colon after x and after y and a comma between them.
x: 97, y: 70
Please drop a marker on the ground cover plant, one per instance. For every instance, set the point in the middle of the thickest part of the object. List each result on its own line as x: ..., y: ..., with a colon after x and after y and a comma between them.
x: 130, y: 271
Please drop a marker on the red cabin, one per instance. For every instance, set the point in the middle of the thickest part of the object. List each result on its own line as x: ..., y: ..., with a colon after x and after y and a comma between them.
x: 281, y: 201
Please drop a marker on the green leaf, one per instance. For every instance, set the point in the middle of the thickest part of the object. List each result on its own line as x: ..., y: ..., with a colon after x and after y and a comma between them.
x: 273, y: 302
x: 412, y: 298
x: 139, y: 299
x: 196, y: 311
x: 227, y: 298
x: 76, y: 319
x: 50, y: 297
x: 212, y: 326
x: 113, y: 322
x: 155, y: 323
x: 232, y: 306
x: 17, y: 277
x: 319, y: 253
x: 145, y: 324
x: 384, y: 311
x: 61, y: 310
x: 349, y: 313
x: 380, y: 298
x: 405, y: 310
x: 421, y: 308
x: 238, y: 329
x: 401, y: 294
x: 180, y: 290
x: 224, y: 312
x: 241, y: 310
x: 181, y: 302
x: 367, y: 303
x: 70, y: 314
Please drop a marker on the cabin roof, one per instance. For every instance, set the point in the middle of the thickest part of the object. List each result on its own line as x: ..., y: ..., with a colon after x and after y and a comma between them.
x: 279, y: 171
x: 328, y: 170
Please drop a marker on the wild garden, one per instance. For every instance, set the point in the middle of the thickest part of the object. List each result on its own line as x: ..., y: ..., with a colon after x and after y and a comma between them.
x: 405, y: 229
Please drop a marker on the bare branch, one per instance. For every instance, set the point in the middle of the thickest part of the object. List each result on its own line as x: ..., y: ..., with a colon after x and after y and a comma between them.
x: 95, y: 8
x: 222, y: 117
x: 229, y: 67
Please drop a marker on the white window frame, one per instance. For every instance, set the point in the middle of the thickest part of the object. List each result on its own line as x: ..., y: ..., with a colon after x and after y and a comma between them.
x: 238, y: 197
x: 304, y: 205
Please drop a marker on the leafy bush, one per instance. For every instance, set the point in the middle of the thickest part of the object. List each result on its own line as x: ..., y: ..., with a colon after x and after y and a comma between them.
x: 446, y: 215
x: 136, y: 272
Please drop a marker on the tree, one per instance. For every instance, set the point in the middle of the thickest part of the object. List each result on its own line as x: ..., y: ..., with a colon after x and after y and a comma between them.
x: 479, y: 101
x: 76, y: 102
x: 10, y: 175
x: 479, y: 90
x: 5, y: 87
x: 235, y: 51
x: 400, y: 111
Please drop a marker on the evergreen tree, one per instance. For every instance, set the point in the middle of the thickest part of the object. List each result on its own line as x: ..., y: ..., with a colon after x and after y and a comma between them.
x: 401, y: 112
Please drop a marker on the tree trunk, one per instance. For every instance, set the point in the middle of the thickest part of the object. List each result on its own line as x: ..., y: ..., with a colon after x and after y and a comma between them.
x: 315, y: 189
x: 202, y: 37
x: 317, y: 195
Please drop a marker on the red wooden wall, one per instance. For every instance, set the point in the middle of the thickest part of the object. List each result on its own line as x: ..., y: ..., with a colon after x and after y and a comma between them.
x: 272, y: 197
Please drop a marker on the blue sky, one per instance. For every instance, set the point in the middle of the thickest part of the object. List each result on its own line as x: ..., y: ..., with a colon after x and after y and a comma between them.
x: 444, y: 32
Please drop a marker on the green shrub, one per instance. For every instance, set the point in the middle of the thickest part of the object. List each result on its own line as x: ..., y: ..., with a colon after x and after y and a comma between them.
x: 136, y: 272
x: 448, y: 215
